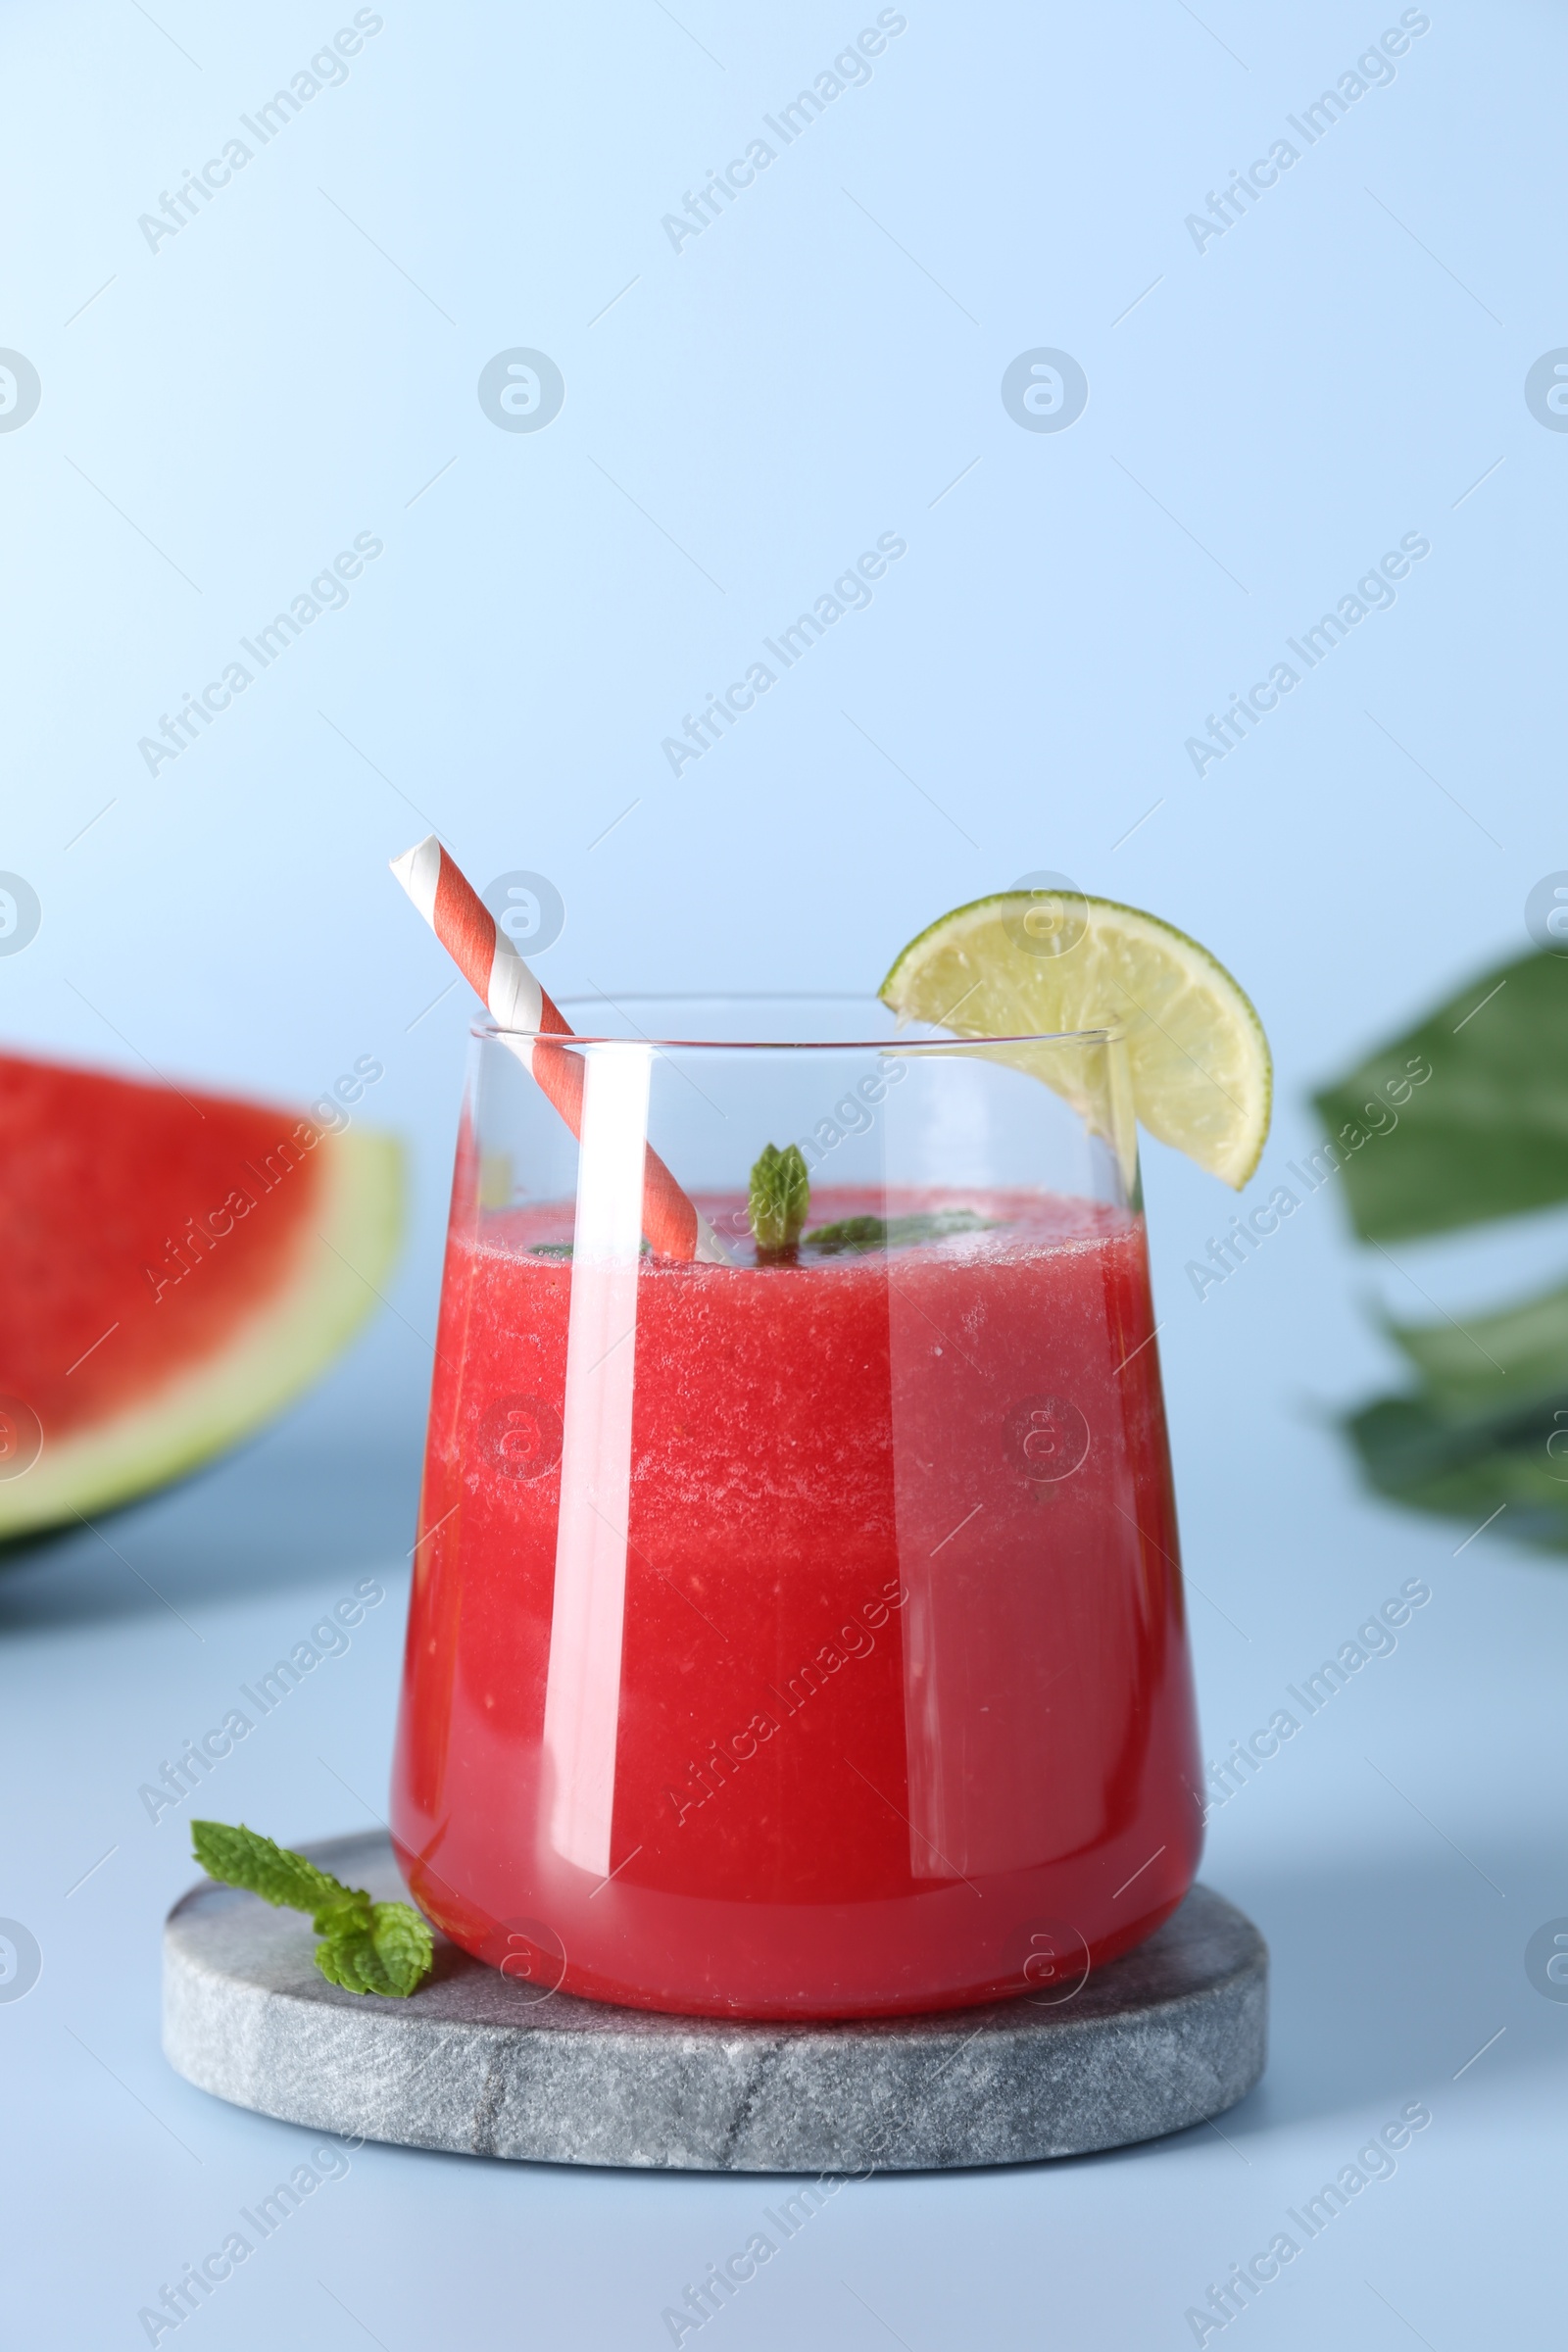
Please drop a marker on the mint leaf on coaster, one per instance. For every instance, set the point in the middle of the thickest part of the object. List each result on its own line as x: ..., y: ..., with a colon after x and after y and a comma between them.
x: 896, y: 1233
x: 385, y: 1949
x: 778, y: 1202
x: 244, y: 1858
x: 402, y: 1940
x: 367, y: 1946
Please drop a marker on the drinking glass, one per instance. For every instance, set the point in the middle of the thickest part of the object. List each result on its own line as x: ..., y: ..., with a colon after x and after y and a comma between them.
x: 802, y: 1635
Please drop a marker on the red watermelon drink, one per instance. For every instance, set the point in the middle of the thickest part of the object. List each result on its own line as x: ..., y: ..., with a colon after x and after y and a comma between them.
x: 796, y: 1626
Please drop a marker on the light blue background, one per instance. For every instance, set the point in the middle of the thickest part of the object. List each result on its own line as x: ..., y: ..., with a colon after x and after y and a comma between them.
x: 298, y: 365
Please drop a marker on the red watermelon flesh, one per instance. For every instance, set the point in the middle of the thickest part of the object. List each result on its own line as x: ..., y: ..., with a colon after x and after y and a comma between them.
x: 168, y: 1272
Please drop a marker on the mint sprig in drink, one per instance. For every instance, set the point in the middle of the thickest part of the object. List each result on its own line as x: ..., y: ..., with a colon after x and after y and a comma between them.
x: 797, y: 1629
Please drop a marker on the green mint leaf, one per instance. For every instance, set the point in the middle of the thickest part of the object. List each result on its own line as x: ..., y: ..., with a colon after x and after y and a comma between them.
x: 365, y: 1946
x: 779, y: 1199
x: 242, y: 1857
x: 851, y: 1233
x: 563, y: 1249
x: 402, y: 1945
x: 896, y: 1233
x: 345, y: 1912
x: 387, y: 1949
x: 349, y: 1959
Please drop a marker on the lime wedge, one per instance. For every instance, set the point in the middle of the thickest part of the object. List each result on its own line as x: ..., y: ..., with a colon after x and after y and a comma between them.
x: 1026, y: 964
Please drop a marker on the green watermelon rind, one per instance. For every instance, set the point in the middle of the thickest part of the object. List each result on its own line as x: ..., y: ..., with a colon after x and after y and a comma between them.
x: 344, y: 1250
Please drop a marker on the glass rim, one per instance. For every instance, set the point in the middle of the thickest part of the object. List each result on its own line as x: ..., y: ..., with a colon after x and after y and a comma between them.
x: 1103, y: 1034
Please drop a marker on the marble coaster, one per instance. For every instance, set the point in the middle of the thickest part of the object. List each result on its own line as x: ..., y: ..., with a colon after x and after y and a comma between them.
x: 1167, y: 2036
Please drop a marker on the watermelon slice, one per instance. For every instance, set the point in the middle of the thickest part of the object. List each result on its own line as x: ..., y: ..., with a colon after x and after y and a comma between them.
x: 175, y: 1265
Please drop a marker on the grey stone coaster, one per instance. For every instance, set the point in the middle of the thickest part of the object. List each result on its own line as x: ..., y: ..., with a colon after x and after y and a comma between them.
x: 1170, y: 2034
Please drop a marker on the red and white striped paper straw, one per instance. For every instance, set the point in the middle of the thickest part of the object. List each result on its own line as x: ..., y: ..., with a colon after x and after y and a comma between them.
x: 495, y: 972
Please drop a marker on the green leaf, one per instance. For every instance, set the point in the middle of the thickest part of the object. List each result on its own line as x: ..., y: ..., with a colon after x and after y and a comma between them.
x: 779, y: 1199
x: 350, y: 1959
x: 850, y: 1233
x: 388, y: 1950
x: 243, y: 1857
x: 1486, y: 1135
x: 563, y: 1249
x: 343, y: 1912
x: 402, y: 1945
x: 894, y: 1233
x: 1494, y: 1365
x: 367, y: 1946
x: 1470, y: 1472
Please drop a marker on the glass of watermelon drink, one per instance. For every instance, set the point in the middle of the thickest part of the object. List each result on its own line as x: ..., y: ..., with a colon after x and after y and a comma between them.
x: 799, y: 1636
